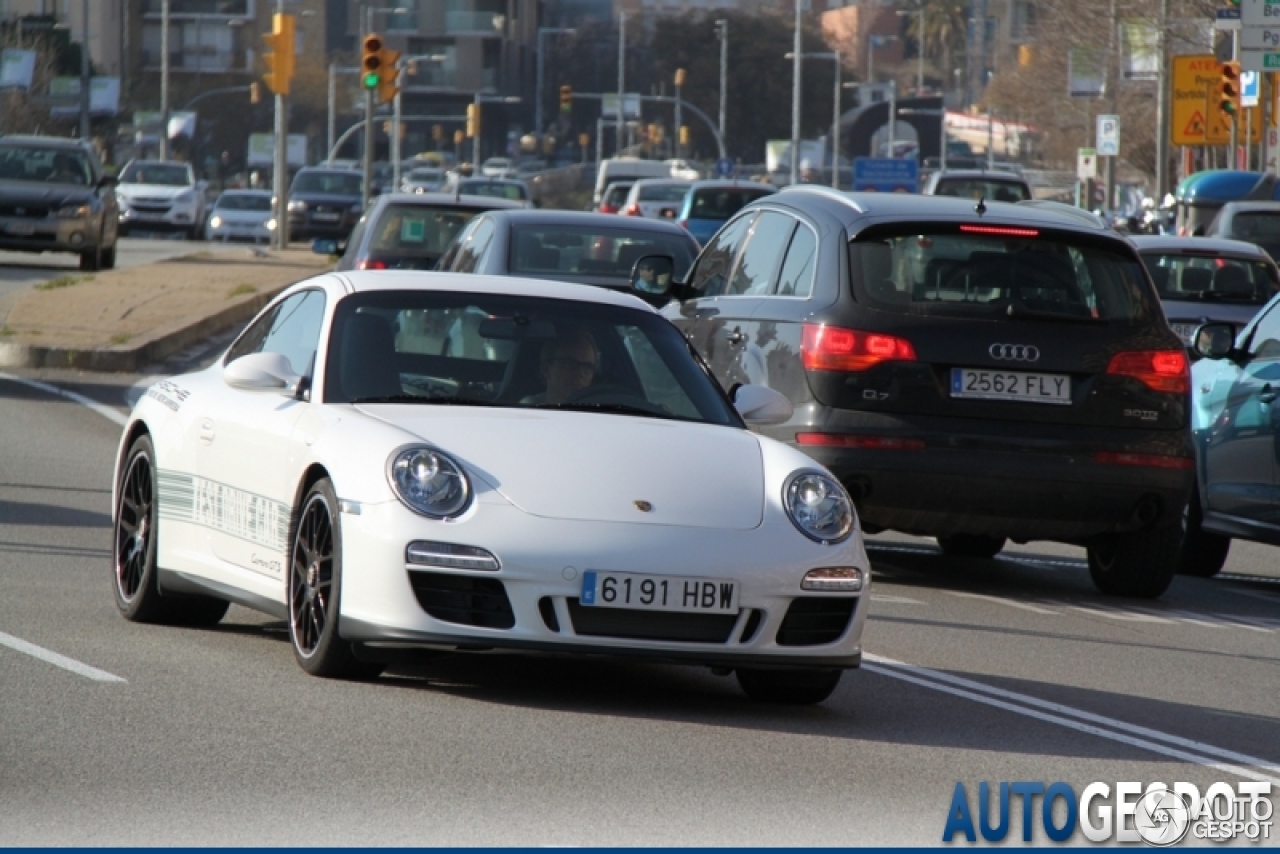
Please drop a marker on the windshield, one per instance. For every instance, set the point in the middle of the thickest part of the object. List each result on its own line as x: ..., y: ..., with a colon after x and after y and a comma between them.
x: 243, y: 202
x: 517, y: 352
x: 591, y: 250
x: 663, y: 192
x: 980, y: 188
x: 328, y: 183
x: 54, y: 166
x: 1211, y: 278
x: 418, y: 230
x: 998, y: 273
x: 723, y: 202
x: 164, y: 174
x: 495, y: 189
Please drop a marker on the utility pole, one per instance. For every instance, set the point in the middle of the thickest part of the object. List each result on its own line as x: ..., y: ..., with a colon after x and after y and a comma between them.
x: 1162, y: 104
x: 835, y: 126
x: 679, y: 81
x: 796, y: 60
x: 622, y: 75
x: 333, y: 105
x: 164, y: 79
x: 395, y: 131
x: 1112, y: 84
x: 722, y: 28
x: 84, y: 71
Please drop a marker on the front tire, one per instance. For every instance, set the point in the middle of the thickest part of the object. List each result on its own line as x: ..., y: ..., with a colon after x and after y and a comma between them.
x: 1140, y: 565
x: 137, y: 589
x: 1203, y: 553
x: 971, y: 545
x: 788, y: 687
x: 91, y: 262
x: 315, y: 590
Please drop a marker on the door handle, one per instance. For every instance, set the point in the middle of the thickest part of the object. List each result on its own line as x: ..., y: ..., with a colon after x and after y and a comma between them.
x: 736, y: 337
x: 206, y: 432
x: 1267, y: 395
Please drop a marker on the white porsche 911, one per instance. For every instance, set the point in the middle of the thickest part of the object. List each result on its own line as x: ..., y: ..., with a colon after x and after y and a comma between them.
x: 395, y: 461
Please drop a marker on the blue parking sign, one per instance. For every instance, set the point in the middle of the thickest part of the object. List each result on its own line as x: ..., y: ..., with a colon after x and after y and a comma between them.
x: 886, y: 175
x: 725, y: 167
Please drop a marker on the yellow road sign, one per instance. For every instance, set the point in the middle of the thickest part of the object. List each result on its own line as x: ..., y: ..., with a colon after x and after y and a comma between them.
x: 1192, y: 77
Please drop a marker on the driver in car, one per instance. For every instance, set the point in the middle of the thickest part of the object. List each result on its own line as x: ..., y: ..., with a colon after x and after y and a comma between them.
x: 569, y: 365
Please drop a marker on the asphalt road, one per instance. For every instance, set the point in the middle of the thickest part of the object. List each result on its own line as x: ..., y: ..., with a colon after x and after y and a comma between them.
x: 1005, y: 670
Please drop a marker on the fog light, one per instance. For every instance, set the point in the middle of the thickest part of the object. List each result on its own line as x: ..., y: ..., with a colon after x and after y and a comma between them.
x: 449, y: 556
x: 841, y: 579
x: 77, y: 237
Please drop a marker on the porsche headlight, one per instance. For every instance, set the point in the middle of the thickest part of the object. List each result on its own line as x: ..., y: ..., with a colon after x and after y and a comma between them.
x: 818, y: 506
x: 429, y: 482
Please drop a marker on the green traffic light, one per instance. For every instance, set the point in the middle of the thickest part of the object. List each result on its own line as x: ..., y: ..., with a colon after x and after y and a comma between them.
x: 371, y: 80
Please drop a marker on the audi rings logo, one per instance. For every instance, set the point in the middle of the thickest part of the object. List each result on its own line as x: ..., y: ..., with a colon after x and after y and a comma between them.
x: 1014, y: 352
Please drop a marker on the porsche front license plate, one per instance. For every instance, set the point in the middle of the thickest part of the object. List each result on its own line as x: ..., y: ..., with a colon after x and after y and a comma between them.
x: 659, y: 593
x: 1011, y: 385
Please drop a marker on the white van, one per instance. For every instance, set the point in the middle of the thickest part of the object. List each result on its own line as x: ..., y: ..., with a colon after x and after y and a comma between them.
x: 627, y: 169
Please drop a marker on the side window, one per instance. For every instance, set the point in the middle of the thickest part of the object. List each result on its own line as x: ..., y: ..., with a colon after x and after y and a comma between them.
x: 451, y: 251
x: 250, y: 341
x: 357, y: 234
x: 1265, y: 342
x: 796, y: 278
x: 473, y: 247
x: 711, y: 275
x: 295, y: 333
x: 760, y: 259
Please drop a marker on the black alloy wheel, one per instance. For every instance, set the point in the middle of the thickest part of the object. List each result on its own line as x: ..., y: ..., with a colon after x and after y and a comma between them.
x: 1203, y: 553
x: 315, y: 584
x: 1140, y: 565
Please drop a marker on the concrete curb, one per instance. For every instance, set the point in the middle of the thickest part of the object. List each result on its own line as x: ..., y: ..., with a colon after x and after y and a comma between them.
x: 135, y: 358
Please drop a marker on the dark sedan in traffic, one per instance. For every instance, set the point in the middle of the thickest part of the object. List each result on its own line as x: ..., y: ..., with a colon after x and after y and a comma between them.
x: 325, y: 203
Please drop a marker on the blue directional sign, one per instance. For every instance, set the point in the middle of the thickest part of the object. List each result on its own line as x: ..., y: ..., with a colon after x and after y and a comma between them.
x: 725, y: 167
x: 885, y: 175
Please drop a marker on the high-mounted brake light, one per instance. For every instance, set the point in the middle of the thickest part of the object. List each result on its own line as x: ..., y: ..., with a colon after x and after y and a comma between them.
x: 1159, y: 370
x: 831, y: 348
x: 1000, y: 230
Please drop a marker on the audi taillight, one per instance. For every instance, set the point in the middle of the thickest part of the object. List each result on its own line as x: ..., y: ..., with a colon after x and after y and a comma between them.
x: 1159, y: 370
x: 845, y: 440
x: 832, y: 348
x: 1159, y: 461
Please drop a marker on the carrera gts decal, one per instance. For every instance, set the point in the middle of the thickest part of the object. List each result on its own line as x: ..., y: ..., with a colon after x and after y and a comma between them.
x: 210, y: 504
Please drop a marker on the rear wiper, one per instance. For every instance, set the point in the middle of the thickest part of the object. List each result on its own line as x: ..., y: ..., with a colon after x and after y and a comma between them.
x: 1020, y: 312
x: 419, y: 398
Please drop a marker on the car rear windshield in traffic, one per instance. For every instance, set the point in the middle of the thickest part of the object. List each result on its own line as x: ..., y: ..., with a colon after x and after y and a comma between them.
x: 51, y: 165
x: 495, y: 190
x: 448, y: 348
x: 982, y: 188
x: 165, y: 174
x: 662, y: 192
x: 418, y: 230
x: 329, y: 183
x: 615, y: 195
x: 243, y: 202
x: 1211, y: 278
x: 591, y: 251
x: 722, y: 203
x: 996, y: 272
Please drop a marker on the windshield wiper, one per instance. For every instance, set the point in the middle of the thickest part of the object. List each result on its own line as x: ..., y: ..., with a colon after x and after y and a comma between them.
x: 419, y: 398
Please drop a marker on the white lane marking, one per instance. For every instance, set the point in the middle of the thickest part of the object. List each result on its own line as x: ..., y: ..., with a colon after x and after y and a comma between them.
x: 1049, y: 563
x: 57, y: 660
x: 105, y: 411
x: 1247, y: 623
x: 1197, y: 619
x: 1257, y: 579
x: 1117, y: 614
x: 999, y: 601
x: 895, y: 600
x: 1143, y: 737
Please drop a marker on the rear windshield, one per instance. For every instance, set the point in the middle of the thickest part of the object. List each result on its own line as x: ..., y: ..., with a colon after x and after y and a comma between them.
x: 495, y: 189
x: 723, y: 202
x: 1261, y: 228
x: 591, y: 251
x: 1201, y: 278
x: 243, y: 202
x: 982, y: 188
x: 332, y: 183
x: 663, y: 192
x: 616, y: 194
x: 418, y: 230
x: 999, y: 274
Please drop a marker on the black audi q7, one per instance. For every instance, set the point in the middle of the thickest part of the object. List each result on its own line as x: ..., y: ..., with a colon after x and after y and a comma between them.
x: 972, y: 371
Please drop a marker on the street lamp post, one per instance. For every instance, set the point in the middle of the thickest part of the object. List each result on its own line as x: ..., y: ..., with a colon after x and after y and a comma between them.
x: 622, y: 77
x: 537, y: 105
x: 795, y: 97
x: 164, y: 80
x: 722, y: 31
x: 835, y: 111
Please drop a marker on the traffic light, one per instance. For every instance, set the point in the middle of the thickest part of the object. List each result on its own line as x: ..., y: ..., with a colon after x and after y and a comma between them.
x: 473, y: 120
x: 566, y: 99
x: 679, y: 77
x: 255, y: 92
x: 684, y: 135
x: 437, y: 132
x: 378, y: 70
x: 279, y: 56
x: 1225, y: 94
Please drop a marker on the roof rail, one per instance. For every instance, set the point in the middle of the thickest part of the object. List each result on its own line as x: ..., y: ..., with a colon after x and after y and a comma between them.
x: 831, y: 192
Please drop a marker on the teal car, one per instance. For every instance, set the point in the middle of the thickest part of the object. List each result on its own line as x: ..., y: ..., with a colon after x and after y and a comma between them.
x: 710, y: 204
x: 1235, y: 421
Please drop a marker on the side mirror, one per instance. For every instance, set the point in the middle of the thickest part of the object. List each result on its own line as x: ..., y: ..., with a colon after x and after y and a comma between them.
x: 262, y: 372
x: 1213, y: 340
x: 761, y: 406
x: 324, y: 247
x: 651, y: 275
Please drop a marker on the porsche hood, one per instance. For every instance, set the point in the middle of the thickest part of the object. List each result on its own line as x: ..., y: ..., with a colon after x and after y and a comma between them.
x: 596, y: 467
